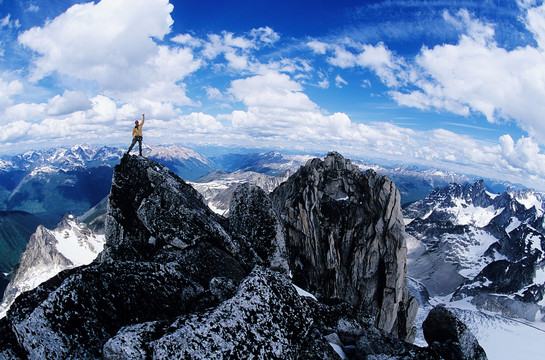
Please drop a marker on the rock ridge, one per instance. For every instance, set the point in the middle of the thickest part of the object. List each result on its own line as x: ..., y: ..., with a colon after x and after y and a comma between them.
x: 176, y: 280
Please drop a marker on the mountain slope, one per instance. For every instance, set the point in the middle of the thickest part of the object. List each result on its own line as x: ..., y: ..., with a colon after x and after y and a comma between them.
x: 54, y: 182
x: 49, y: 252
x: 217, y: 288
x: 15, y: 230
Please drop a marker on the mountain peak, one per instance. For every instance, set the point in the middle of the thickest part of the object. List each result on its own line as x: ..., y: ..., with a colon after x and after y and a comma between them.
x: 177, y: 281
x: 151, y: 210
x: 332, y: 209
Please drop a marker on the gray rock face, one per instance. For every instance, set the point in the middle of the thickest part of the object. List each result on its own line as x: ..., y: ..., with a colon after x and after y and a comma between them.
x: 255, y: 224
x: 450, y: 337
x: 255, y: 323
x: 152, y: 212
x: 345, y: 239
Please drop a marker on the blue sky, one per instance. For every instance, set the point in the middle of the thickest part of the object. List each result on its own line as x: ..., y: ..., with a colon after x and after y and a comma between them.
x: 457, y: 85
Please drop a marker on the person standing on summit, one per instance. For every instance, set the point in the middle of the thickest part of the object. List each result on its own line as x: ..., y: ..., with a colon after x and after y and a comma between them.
x: 137, y: 135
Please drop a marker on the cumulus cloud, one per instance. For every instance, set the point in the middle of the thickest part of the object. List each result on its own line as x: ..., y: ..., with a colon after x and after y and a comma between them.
x: 112, y: 43
x: 70, y: 101
x: 7, y: 90
x: 278, y: 108
x: 524, y: 154
x: 478, y: 75
x: 271, y: 90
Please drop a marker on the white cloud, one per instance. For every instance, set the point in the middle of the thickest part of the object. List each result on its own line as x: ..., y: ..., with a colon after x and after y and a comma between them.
x: 378, y: 58
x: 187, y: 39
x: 14, y: 131
x: 213, y: 93
x: 69, y: 102
x: 342, y: 57
x: 237, y: 62
x: 200, y: 123
x: 477, y: 75
x: 32, y: 8
x: 111, y: 43
x: 7, y: 90
x: 339, y: 81
x: 6, y: 22
x: 271, y: 90
x: 265, y: 35
x: 318, y: 47
x: 237, y: 50
x: 473, y: 75
x: 524, y: 154
x: 324, y: 84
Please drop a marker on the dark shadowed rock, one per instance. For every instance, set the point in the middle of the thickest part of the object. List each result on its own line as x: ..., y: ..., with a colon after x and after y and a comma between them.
x: 266, y: 319
x: 345, y: 239
x: 256, y: 226
x: 450, y: 337
x: 151, y: 211
x: 166, y: 255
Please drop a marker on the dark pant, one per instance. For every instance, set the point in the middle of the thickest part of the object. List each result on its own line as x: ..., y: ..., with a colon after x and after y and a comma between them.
x: 134, y: 140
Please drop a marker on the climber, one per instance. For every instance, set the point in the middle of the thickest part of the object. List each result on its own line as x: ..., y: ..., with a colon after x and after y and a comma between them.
x: 137, y: 135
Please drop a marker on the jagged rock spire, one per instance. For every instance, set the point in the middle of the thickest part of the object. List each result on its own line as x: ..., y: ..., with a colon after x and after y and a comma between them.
x: 345, y: 239
x: 151, y: 212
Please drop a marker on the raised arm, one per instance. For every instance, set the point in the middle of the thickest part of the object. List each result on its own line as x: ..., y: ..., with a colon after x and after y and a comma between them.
x: 143, y: 118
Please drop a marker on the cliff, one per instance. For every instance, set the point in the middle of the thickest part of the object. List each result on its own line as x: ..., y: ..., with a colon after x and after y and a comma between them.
x: 177, y: 281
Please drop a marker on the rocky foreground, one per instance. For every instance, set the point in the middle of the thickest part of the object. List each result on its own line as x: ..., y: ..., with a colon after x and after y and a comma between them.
x: 176, y: 280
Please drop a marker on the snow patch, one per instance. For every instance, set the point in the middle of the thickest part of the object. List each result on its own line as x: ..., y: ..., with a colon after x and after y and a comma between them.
x: 79, y: 249
x: 502, y: 338
x: 530, y: 199
x: 304, y: 293
x: 469, y: 214
x: 338, y: 350
x: 515, y: 223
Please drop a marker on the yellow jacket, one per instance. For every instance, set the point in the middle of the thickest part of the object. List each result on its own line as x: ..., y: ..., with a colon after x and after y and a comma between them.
x: 137, y: 130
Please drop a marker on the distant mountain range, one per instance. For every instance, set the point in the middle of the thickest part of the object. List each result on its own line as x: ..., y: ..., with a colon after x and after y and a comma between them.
x: 480, y: 252
x: 55, y: 182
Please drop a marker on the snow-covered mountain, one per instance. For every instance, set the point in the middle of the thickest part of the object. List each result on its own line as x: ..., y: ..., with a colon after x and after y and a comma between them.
x: 49, y: 252
x: 483, y: 255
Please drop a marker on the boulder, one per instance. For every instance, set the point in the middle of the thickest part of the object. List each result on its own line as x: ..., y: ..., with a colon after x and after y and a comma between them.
x: 450, y: 337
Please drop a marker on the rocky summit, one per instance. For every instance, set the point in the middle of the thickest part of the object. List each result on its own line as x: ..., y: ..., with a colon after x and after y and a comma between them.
x: 177, y: 281
x: 346, y: 238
